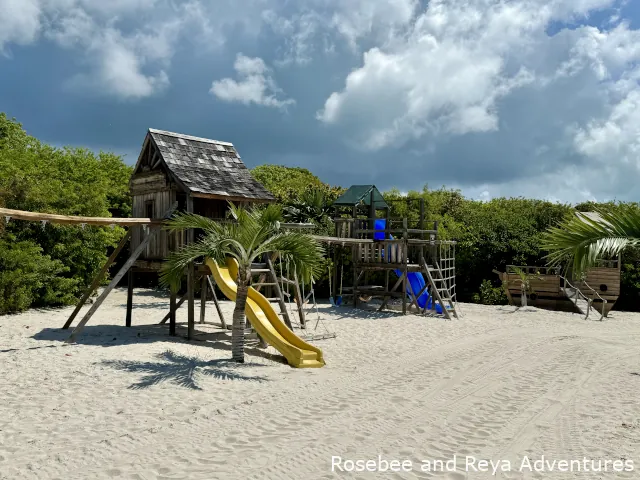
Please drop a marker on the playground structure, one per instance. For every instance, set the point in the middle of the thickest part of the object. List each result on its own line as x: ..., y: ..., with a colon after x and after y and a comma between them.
x: 558, y: 288
x: 423, y: 264
x: 265, y: 320
x: 176, y: 172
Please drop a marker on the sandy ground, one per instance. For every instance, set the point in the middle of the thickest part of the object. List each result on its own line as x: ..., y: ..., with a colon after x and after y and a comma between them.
x: 498, y: 384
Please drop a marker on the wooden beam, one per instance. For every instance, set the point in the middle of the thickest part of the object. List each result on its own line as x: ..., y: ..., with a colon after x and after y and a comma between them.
x: 299, y: 300
x: 191, y: 323
x: 178, y: 305
x: 172, y: 313
x: 129, y: 298
x: 203, y: 297
x: 405, y: 261
x: 156, y: 160
x: 97, y: 279
x: 74, y: 220
x: 215, y: 300
x: 283, y: 306
x: 125, y: 268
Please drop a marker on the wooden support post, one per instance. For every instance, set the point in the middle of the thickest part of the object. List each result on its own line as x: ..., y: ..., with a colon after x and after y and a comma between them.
x: 405, y: 262
x: 387, y: 222
x: 203, y: 297
x: 421, y: 227
x: 299, y: 301
x: 334, y: 294
x: 125, y: 268
x: 355, y: 259
x: 388, y: 297
x: 215, y: 301
x: 372, y: 214
x: 278, y: 290
x: 178, y: 305
x: 129, y: 298
x: 355, y: 221
x: 172, y: 313
x: 97, y: 279
x: 191, y: 323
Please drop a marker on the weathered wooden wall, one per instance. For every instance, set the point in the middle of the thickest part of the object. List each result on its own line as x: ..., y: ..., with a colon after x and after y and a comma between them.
x: 598, y: 276
x: 145, y: 187
x: 153, y: 186
x: 543, y: 285
x: 160, y: 245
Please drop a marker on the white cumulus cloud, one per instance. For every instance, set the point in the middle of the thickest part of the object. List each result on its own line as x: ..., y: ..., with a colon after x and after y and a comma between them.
x: 254, y: 85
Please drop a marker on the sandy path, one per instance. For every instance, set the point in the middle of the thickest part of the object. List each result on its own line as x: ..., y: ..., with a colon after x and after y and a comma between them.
x: 494, y: 385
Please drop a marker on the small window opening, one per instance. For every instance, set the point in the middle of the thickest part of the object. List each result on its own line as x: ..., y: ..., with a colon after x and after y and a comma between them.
x: 148, y: 209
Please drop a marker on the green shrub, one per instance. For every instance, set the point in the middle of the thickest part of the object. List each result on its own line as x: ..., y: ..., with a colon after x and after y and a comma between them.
x: 490, y: 295
x: 28, y: 278
x: 51, y: 264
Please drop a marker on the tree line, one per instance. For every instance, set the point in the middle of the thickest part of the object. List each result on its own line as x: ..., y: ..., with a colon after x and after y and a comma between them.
x: 50, y: 265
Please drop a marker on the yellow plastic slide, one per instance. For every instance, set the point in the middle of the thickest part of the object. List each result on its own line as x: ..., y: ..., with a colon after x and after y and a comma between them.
x: 266, y: 321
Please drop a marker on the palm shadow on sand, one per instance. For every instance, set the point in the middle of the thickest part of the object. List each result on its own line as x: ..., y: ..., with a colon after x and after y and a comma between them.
x: 182, y: 370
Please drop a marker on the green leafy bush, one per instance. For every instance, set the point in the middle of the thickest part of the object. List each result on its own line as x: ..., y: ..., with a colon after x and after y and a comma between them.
x: 490, y: 295
x: 28, y: 278
x: 37, y: 177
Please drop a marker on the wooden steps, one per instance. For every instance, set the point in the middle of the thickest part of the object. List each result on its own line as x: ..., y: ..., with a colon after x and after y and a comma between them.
x: 583, y: 305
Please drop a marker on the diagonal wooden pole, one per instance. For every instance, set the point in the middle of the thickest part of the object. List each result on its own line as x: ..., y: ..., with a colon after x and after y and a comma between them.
x: 215, y: 301
x: 125, y: 268
x: 388, y: 297
x: 97, y: 279
x: 121, y: 273
x: 178, y: 305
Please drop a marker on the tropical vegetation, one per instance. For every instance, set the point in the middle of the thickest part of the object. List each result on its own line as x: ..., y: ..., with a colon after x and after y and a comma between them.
x: 51, y: 265
x: 254, y: 234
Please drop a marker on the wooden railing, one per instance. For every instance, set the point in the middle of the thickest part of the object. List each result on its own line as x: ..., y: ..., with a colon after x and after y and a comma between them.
x: 385, y: 251
x: 533, y: 270
x: 362, y: 228
x: 578, y: 293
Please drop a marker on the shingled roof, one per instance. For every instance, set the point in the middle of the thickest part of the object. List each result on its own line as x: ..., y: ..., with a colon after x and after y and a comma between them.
x: 207, y: 168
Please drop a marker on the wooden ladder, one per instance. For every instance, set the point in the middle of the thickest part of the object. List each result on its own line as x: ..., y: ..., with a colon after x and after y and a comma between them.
x: 269, y: 278
x: 439, y: 290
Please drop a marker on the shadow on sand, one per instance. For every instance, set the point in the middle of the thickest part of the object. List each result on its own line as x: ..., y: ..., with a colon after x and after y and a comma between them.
x: 116, y: 335
x: 181, y: 370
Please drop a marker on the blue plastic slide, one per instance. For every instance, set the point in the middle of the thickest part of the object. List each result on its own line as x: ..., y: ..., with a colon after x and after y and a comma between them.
x: 416, y: 281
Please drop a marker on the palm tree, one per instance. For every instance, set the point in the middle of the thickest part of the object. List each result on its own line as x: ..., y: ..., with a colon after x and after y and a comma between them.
x: 583, y: 239
x: 525, y: 284
x: 255, y: 233
x: 312, y: 206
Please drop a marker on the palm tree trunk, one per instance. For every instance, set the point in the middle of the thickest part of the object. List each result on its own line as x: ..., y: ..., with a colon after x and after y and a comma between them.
x: 237, y: 333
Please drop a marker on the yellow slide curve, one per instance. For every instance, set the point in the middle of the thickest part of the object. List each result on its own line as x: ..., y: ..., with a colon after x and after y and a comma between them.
x: 266, y: 321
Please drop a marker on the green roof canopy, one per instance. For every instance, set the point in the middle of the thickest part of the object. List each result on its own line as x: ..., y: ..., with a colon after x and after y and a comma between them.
x: 361, y: 195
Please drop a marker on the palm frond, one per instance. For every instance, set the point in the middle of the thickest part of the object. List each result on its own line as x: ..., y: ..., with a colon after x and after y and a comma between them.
x: 300, y: 250
x: 271, y: 214
x: 586, y: 239
x: 187, y: 221
x: 174, y: 267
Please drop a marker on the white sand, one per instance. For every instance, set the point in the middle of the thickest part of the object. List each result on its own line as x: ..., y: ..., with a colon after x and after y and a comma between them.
x: 495, y: 384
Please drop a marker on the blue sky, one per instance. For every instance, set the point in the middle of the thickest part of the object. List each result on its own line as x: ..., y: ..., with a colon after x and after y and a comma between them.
x: 527, y: 97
